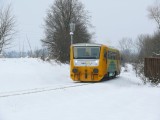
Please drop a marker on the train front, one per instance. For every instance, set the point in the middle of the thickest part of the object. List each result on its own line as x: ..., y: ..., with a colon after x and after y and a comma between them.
x: 84, y: 62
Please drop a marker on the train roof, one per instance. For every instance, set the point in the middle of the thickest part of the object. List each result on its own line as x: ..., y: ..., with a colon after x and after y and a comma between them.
x: 92, y: 44
x: 87, y: 44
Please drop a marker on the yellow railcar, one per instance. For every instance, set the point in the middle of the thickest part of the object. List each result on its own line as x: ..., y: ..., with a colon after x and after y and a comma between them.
x: 91, y: 62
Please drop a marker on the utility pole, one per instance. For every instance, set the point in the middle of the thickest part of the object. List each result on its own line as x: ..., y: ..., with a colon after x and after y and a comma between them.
x: 72, y: 29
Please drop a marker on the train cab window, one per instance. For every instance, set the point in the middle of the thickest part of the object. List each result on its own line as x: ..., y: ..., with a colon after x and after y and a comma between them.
x: 86, y: 52
x: 95, y: 52
x: 79, y: 52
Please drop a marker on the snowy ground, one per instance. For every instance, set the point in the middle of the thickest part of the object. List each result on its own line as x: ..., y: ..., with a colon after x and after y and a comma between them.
x: 35, y: 85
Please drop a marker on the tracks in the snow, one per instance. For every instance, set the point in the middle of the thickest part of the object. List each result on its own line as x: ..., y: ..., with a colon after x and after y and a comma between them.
x: 39, y: 90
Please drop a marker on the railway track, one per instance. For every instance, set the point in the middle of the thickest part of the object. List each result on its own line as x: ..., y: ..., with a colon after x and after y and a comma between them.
x: 39, y: 90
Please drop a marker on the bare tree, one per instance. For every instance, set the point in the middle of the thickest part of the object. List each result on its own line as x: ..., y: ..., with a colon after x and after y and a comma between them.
x: 7, y: 24
x: 126, y: 44
x: 127, y: 49
x: 144, y: 45
x: 154, y: 13
x: 59, y: 17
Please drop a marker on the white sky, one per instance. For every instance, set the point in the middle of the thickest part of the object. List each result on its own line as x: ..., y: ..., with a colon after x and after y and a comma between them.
x: 112, y: 20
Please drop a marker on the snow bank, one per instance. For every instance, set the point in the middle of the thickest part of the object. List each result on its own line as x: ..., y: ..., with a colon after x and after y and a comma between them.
x: 24, y: 73
x: 123, y: 98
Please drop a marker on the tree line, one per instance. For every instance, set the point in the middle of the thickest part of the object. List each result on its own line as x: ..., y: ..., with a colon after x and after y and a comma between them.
x: 145, y: 46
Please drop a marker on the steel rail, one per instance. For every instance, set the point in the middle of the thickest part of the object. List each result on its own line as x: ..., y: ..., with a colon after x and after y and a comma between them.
x: 38, y: 90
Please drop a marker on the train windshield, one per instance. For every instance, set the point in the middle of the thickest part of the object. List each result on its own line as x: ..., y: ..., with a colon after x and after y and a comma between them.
x: 86, y: 52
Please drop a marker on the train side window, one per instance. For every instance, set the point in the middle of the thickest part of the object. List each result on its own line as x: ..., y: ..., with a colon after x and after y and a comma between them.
x: 114, y: 56
x: 117, y: 56
x: 109, y: 56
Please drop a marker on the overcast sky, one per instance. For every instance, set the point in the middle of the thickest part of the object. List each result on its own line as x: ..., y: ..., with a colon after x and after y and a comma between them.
x: 112, y: 20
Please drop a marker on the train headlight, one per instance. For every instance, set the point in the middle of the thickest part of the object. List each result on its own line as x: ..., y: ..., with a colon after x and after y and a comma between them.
x: 96, y: 62
x: 75, y: 62
x: 75, y: 70
x: 95, y: 70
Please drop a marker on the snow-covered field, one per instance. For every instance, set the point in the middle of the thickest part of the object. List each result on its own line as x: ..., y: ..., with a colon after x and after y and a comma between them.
x: 31, y: 89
